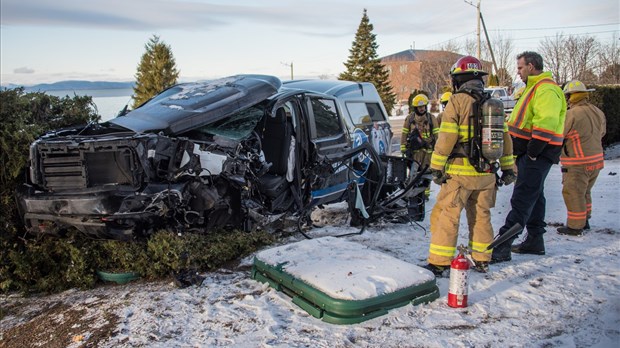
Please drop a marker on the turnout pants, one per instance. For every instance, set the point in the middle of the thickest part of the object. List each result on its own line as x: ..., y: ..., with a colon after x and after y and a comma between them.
x: 423, y: 157
x: 528, y: 198
x: 477, y: 195
x: 577, y: 183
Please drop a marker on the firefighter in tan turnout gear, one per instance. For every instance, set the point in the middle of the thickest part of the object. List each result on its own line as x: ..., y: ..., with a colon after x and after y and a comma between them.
x: 582, y: 156
x: 443, y: 100
x: 419, y: 134
x: 471, y: 123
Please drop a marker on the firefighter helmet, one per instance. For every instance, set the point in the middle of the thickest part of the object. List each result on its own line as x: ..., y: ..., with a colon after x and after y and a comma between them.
x: 467, y: 65
x: 445, y: 97
x: 576, y: 86
x: 419, y: 100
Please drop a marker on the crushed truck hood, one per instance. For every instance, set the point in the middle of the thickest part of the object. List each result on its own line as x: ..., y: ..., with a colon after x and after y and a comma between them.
x: 187, y: 106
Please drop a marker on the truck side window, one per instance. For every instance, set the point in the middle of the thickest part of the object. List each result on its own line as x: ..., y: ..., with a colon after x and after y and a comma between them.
x: 326, y: 118
x: 364, y: 113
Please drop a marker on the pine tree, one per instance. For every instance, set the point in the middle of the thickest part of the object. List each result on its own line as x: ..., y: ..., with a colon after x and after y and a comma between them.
x: 156, y: 71
x: 364, y: 65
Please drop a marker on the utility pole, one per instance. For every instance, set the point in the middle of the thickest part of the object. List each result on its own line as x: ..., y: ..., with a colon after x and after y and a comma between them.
x: 479, y: 49
x: 486, y: 35
x: 478, y: 32
x: 291, y: 65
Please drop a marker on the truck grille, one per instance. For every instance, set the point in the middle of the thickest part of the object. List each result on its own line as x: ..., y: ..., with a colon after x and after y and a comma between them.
x: 64, y: 171
x: 66, y: 167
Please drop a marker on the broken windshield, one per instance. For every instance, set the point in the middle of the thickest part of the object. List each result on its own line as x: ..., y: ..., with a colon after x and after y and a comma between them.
x: 238, y: 126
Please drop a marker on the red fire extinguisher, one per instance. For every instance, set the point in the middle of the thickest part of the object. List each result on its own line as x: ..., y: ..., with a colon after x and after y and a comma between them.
x: 459, y: 272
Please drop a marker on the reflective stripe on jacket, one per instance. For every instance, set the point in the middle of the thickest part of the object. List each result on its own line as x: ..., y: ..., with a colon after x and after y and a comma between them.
x: 454, y: 129
x: 540, y: 112
x: 422, y: 123
x: 584, y: 128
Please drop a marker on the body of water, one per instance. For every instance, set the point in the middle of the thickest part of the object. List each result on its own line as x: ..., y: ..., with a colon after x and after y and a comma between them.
x: 109, y: 101
x: 109, y: 107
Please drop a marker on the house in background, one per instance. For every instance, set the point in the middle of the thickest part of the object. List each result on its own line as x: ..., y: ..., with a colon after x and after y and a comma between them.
x: 426, y: 70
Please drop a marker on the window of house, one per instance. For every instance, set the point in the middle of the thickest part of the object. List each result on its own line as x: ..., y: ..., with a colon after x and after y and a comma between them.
x: 403, y: 69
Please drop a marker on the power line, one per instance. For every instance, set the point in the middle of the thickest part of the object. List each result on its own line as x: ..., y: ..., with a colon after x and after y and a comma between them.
x: 566, y: 27
x: 545, y: 37
x: 538, y: 37
x: 525, y: 38
x: 452, y: 39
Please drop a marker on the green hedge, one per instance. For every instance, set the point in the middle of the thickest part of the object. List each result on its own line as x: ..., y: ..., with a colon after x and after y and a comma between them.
x: 23, y: 118
x: 607, y: 98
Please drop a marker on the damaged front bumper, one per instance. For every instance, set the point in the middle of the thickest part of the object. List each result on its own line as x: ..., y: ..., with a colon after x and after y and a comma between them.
x: 96, y: 213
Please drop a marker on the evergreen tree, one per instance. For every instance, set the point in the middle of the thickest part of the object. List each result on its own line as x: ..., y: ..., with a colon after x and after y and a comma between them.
x: 157, y: 71
x: 364, y: 65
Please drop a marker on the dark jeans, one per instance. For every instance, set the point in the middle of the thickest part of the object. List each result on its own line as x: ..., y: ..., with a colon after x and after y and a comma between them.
x: 528, y: 196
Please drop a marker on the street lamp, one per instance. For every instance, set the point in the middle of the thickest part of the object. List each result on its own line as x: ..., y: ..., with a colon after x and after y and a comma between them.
x: 289, y: 64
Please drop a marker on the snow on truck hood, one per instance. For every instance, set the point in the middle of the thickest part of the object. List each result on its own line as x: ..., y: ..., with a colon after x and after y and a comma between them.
x: 187, y: 106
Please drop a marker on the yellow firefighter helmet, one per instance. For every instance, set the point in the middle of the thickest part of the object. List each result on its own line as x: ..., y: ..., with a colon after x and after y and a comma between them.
x: 419, y: 100
x: 445, y: 97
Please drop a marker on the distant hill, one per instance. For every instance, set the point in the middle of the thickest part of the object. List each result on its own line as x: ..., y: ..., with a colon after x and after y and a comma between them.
x: 79, y: 85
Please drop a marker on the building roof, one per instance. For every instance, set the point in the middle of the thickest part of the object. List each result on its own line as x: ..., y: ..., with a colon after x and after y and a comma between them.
x: 412, y: 55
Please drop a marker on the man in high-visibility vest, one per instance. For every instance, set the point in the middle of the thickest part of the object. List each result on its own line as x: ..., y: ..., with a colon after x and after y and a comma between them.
x: 582, y: 156
x: 536, y: 125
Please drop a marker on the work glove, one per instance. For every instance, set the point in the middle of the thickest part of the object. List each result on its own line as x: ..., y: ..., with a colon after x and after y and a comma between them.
x: 439, y: 176
x: 508, y: 176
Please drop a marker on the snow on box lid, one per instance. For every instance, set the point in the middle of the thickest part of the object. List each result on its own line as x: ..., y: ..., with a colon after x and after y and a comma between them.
x: 345, y: 270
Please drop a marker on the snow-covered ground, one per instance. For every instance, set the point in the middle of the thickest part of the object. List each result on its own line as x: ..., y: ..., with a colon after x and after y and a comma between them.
x: 567, y: 298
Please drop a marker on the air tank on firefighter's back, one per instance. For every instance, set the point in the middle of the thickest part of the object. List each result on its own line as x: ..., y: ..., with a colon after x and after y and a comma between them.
x: 493, y: 117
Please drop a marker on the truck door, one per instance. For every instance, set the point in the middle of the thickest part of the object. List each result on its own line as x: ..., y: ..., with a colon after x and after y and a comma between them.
x: 329, y: 140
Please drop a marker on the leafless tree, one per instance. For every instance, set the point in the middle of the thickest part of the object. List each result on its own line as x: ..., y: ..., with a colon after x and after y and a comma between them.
x: 609, y: 61
x: 581, y: 58
x: 553, y: 51
x: 435, y: 72
x: 503, y: 50
x: 451, y: 46
x: 470, y: 47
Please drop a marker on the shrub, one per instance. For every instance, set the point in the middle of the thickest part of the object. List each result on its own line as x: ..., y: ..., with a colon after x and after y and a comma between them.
x: 23, y: 118
x: 607, y: 98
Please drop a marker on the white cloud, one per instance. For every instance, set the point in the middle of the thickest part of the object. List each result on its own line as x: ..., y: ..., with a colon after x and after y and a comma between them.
x: 23, y: 70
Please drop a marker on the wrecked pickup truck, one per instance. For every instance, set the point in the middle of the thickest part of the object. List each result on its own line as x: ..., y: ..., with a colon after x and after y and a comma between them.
x: 238, y: 152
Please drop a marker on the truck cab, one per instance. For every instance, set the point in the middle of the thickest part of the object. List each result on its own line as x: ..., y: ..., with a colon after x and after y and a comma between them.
x: 502, y: 94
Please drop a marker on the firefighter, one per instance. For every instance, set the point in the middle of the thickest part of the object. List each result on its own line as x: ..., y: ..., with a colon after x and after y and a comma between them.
x: 462, y: 184
x: 536, y: 125
x: 582, y: 156
x: 419, y: 134
x: 443, y: 100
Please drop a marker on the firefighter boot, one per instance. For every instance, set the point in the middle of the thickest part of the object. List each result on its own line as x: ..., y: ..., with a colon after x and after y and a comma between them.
x: 570, y: 231
x: 481, y: 267
x: 533, y: 244
x: 587, y: 226
x: 438, y: 271
x: 501, y: 253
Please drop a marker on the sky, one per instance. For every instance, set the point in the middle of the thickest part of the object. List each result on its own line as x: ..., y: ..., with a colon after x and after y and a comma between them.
x: 46, y: 41
x: 567, y: 298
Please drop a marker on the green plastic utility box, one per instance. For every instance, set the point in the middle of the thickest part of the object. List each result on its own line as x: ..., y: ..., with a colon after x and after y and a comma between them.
x: 343, y: 282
